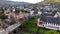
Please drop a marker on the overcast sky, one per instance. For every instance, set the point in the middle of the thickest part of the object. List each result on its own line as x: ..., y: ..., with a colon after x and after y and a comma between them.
x: 30, y: 1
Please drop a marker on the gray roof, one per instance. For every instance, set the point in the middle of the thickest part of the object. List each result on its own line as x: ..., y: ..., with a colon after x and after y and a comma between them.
x: 51, y: 20
x: 48, y: 14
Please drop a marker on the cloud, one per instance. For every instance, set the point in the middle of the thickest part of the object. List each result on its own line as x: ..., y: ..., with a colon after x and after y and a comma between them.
x: 30, y: 1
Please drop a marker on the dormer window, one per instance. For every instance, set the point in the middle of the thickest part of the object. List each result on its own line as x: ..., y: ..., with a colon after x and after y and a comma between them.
x: 57, y: 14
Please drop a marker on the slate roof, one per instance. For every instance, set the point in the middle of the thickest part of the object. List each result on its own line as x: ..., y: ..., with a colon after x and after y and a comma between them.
x: 48, y: 14
x: 51, y: 20
x: 44, y: 18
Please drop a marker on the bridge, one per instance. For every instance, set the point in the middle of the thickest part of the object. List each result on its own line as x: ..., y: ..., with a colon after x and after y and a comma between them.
x: 10, y: 28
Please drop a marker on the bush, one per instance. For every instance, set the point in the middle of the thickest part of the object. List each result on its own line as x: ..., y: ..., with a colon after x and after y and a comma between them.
x: 52, y: 32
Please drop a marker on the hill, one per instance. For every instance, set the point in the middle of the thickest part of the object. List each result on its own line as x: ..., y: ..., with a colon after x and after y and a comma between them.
x: 12, y: 3
x: 49, y: 1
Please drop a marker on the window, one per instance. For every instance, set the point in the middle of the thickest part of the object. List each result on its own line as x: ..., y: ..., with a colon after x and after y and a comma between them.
x: 40, y: 23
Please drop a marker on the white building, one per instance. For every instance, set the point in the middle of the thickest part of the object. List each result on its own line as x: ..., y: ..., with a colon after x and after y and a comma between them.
x: 49, y: 22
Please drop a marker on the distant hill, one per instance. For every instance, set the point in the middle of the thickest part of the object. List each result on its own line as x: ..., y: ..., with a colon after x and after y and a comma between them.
x: 49, y: 1
x: 12, y: 3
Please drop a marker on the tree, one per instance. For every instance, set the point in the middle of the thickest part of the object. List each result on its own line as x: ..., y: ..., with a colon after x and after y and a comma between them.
x: 33, y: 6
x: 2, y: 16
x: 1, y: 23
x: 29, y: 25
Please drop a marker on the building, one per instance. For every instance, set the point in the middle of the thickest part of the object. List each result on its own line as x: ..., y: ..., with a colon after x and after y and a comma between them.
x: 49, y: 20
x: 18, y: 15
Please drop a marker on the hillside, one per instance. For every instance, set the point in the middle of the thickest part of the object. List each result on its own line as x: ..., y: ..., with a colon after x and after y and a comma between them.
x: 12, y: 3
x: 49, y: 1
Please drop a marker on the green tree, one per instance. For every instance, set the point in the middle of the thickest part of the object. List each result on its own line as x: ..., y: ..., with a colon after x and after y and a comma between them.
x: 2, y: 16
x: 29, y: 25
x: 33, y: 6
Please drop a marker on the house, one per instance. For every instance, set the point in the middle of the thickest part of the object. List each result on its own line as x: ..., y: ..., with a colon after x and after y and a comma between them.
x: 20, y: 7
x: 49, y: 20
x: 30, y: 11
x: 39, y: 12
x: 18, y: 15
x: 6, y: 11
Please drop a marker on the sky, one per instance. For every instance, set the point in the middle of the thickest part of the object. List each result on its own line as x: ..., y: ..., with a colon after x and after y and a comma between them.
x: 30, y: 1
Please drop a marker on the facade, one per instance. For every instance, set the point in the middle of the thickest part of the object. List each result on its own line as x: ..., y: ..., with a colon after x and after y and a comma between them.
x: 49, y: 20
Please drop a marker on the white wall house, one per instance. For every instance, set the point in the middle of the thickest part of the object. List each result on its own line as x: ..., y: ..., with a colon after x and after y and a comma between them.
x: 49, y: 20
x: 13, y: 9
x: 6, y: 12
x: 31, y: 13
x: 57, y: 14
x: 39, y: 13
x: 48, y: 25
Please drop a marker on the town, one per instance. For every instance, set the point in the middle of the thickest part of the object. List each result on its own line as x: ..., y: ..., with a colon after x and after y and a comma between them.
x: 14, y: 16
x: 17, y: 19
